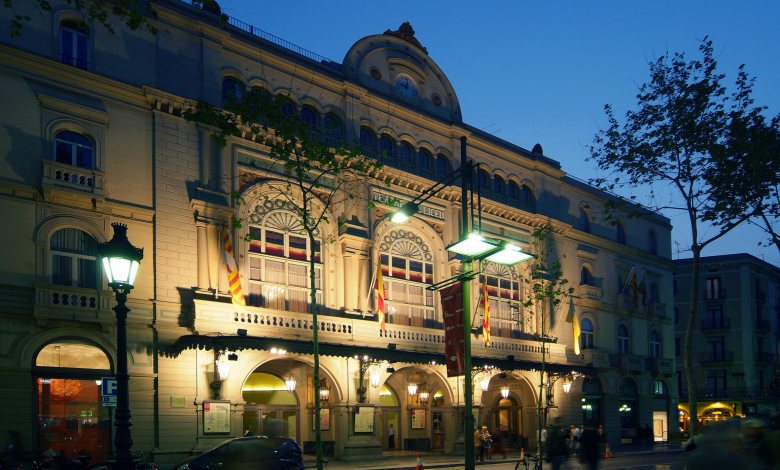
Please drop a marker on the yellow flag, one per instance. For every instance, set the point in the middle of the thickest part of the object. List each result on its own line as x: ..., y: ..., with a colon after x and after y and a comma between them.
x: 486, y: 315
x: 574, y: 319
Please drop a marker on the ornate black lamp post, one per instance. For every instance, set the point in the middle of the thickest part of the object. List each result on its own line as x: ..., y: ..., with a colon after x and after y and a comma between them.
x: 120, y: 263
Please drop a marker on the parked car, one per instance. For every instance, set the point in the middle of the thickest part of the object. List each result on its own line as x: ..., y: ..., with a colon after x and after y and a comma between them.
x: 249, y: 453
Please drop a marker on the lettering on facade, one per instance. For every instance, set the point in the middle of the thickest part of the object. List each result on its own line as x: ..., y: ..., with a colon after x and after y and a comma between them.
x: 394, y: 201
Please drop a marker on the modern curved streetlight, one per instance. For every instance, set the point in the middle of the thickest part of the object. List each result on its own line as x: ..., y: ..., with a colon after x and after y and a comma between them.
x: 121, y: 261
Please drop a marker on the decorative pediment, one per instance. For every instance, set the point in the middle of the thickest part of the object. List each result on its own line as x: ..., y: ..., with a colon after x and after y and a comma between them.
x: 406, y: 32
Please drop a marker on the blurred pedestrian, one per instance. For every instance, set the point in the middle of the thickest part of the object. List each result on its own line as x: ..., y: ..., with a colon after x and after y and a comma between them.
x: 487, y: 441
x: 602, y: 440
x: 556, y: 447
x: 498, y: 445
x: 480, y: 455
x: 589, y: 447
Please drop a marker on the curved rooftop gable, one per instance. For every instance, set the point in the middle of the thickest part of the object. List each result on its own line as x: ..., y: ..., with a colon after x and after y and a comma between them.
x: 396, y: 64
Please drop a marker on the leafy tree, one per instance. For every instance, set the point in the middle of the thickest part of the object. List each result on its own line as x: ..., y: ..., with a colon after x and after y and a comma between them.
x: 134, y: 13
x: 314, y: 174
x: 545, y: 289
x: 684, y: 129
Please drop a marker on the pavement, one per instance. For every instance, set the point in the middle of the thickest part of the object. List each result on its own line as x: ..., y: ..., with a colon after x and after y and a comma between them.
x: 407, y: 460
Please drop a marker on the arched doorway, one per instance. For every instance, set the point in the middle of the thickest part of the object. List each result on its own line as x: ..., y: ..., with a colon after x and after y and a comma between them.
x: 628, y: 409
x: 592, y: 402
x: 271, y: 408
x: 70, y: 418
x: 390, y: 419
x: 511, y: 410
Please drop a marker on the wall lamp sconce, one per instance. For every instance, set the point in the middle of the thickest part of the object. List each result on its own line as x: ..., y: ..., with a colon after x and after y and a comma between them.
x: 424, y: 395
x: 324, y: 393
x: 412, y: 389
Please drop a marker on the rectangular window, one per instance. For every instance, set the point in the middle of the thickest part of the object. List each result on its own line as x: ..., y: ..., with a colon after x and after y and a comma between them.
x: 62, y: 270
x: 297, y: 248
x: 713, y: 317
x: 712, y: 288
x: 399, y: 268
x: 255, y: 242
x: 274, y: 243
x: 676, y: 346
x: 716, y: 383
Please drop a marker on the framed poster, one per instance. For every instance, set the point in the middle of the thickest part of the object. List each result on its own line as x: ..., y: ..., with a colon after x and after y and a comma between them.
x: 418, y: 419
x: 324, y: 419
x: 216, y: 417
x: 364, y: 419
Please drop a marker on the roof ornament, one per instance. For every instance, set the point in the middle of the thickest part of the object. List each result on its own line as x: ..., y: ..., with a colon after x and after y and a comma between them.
x: 406, y: 32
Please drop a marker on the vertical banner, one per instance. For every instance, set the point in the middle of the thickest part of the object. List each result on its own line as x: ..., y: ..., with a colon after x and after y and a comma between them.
x: 452, y: 309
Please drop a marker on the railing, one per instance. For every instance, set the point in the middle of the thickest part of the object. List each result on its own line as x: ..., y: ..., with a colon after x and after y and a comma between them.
x: 717, y: 294
x: 763, y: 356
x: 656, y: 308
x: 67, y: 176
x: 53, y: 301
x: 596, y: 357
x: 714, y: 357
x: 626, y: 362
x: 589, y: 292
x: 715, y: 324
x: 659, y: 365
x: 257, y: 32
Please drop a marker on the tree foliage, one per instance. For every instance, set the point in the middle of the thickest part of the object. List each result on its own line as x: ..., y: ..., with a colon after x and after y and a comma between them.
x: 134, y: 13
x: 677, y: 145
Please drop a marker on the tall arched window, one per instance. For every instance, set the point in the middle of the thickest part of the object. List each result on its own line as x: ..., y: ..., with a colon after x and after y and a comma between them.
x: 513, y: 191
x: 73, y: 259
x: 620, y: 233
x: 498, y: 187
x: 622, y: 337
x: 586, y: 278
x: 232, y: 90
x: 586, y: 334
x: 406, y: 156
x: 74, y: 44
x: 333, y: 130
x: 367, y: 141
x: 72, y: 148
x: 527, y: 199
x: 655, y: 344
x: 311, y: 118
x: 387, y: 148
x: 503, y: 286
x: 279, y: 261
x: 443, y: 166
x: 484, y: 182
x: 407, y: 264
x: 583, y: 221
x: 425, y: 160
x: 288, y: 107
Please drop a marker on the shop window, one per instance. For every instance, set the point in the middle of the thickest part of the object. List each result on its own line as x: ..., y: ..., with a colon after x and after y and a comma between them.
x: 74, y: 44
x: 72, y: 148
x: 73, y: 259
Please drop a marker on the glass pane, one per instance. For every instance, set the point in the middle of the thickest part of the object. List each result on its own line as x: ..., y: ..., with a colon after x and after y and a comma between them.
x: 274, y: 271
x: 64, y: 152
x: 62, y: 270
x: 87, y: 273
x: 298, y: 275
x: 297, y: 248
x: 255, y: 268
x: 255, y: 243
x: 274, y: 243
x: 399, y: 268
x: 72, y: 354
x: 415, y: 271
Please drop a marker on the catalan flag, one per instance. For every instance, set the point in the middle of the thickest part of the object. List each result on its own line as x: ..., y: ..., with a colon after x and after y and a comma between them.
x: 574, y: 319
x: 486, y: 314
x: 379, y: 285
x: 234, y: 281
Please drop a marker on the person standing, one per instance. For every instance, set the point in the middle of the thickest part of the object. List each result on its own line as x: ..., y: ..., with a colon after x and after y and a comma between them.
x: 556, y: 447
x: 391, y: 437
x: 589, y: 447
x: 487, y: 442
x: 575, y: 438
x: 602, y: 440
x: 480, y: 455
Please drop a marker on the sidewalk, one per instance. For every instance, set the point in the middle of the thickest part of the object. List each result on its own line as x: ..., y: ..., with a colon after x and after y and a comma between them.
x: 407, y: 460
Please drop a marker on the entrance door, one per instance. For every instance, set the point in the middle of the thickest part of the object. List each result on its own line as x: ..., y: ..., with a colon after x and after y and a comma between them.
x: 660, y: 426
x: 391, y: 426
x: 265, y: 421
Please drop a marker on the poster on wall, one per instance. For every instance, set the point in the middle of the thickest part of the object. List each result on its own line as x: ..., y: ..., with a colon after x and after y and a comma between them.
x: 364, y: 419
x: 216, y: 417
x: 324, y: 419
x: 418, y: 419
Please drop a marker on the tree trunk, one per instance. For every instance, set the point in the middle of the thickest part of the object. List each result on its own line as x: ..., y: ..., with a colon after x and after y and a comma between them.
x: 692, y: 317
x: 316, y: 350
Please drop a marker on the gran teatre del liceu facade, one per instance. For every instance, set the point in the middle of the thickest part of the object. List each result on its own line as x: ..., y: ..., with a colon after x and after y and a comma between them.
x: 92, y: 133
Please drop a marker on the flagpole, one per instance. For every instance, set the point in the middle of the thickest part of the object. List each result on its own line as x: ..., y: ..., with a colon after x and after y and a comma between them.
x: 371, y: 284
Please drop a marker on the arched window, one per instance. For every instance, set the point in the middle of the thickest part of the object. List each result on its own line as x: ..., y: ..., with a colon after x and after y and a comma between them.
x: 503, y: 287
x: 73, y: 259
x: 652, y: 242
x: 659, y: 388
x: 527, y: 199
x: 232, y: 90
x: 620, y: 233
x: 513, y: 191
x: 586, y: 334
x: 387, y: 148
x: 407, y: 267
x: 483, y: 182
x: 586, y: 278
x: 288, y: 107
x: 498, y: 187
x: 425, y: 163
x: 443, y: 166
x: 333, y: 130
x: 406, y: 156
x: 367, y: 141
x: 622, y: 337
x: 583, y: 222
x: 311, y: 118
x: 279, y: 253
x: 72, y: 148
x: 655, y: 344
x: 74, y: 44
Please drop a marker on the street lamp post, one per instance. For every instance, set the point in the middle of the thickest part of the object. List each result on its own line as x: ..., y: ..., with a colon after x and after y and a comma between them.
x: 120, y: 264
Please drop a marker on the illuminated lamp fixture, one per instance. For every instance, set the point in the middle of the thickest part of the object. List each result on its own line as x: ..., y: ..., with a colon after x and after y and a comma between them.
x: 221, y: 367
x: 291, y: 382
x: 402, y: 215
x: 484, y: 384
x: 473, y: 246
x: 99, y: 382
x: 424, y: 396
x: 324, y: 393
x: 505, y: 391
x: 375, y: 379
x: 412, y: 389
x: 509, y: 255
x: 566, y: 386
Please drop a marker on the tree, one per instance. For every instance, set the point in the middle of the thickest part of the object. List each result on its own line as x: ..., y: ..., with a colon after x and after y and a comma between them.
x: 134, y: 13
x: 545, y: 289
x: 314, y: 173
x: 677, y: 140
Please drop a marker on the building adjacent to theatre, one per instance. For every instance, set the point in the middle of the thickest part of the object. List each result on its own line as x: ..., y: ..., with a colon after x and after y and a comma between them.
x: 735, y: 348
x: 91, y: 133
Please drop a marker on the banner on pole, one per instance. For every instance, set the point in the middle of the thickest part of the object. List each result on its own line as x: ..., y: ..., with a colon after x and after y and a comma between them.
x: 452, y: 309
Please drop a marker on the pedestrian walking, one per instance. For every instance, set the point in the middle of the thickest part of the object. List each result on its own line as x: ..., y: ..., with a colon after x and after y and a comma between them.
x: 589, y: 447
x: 556, y: 447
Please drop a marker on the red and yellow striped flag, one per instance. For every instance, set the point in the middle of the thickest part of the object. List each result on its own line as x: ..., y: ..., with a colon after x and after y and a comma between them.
x: 234, y: 281
x: 486, y: 315
x: 379, y: 285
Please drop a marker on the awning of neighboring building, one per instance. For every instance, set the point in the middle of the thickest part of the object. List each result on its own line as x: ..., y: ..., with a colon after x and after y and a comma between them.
x: 239, y: 343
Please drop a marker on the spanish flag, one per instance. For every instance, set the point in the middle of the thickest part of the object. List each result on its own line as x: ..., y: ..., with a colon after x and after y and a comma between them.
x: 379, y: 285
x: 234, y: 281
x: 485, y: 314
x: 574, y: 319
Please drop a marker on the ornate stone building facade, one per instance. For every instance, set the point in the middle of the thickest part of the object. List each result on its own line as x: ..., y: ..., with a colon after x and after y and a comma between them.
x: 92, y: 133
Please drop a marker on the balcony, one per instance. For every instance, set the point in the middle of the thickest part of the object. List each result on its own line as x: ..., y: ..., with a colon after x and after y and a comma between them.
x: 72, y: 303
x: 656, y: 308
x: 627, y: 301
x: 713, y: 357
x: 659, y: 365
x: 626, y: 362
x: 715, y: 324
x: 59, y: 175
x: 766, y: 357
x: 709, y: 295
x: 588, y: 292
x: 595, y: 357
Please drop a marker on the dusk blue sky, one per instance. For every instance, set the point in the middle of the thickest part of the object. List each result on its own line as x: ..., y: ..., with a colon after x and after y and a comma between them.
x: 541, y: 72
